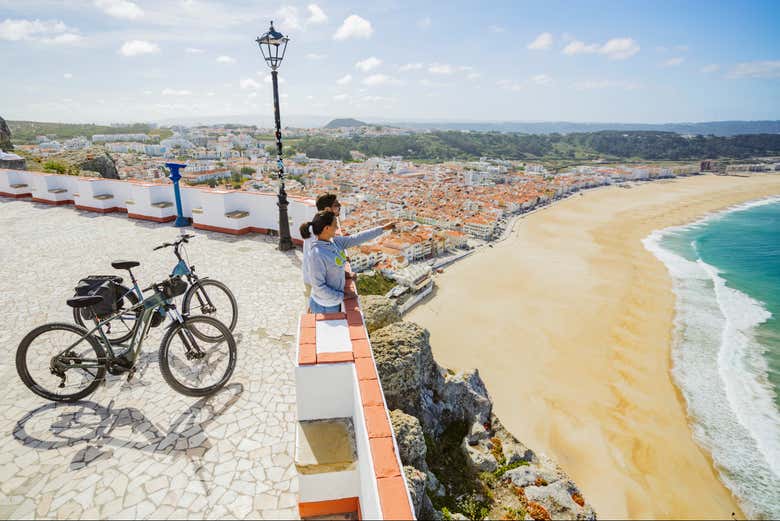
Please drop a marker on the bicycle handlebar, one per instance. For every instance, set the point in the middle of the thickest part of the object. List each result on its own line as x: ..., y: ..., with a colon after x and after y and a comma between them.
x: 183, y: 238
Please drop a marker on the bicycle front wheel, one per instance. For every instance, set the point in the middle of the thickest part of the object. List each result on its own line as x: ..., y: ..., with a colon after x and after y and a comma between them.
x: 192, y: 364
x: 211, y: 298
x: 60, y: 362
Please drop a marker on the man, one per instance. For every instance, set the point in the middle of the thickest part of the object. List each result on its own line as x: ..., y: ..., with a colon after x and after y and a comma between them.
x: 325, y: 201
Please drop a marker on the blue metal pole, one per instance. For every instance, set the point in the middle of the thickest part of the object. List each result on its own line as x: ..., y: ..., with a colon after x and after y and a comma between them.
x: 175, y: 177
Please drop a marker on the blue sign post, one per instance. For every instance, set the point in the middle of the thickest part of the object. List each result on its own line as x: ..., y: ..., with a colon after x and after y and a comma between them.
x: 175, y: 177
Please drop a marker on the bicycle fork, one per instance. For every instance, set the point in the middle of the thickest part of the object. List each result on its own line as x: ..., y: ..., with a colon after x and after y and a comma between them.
x: 193, y: 350
x: 206, y: 307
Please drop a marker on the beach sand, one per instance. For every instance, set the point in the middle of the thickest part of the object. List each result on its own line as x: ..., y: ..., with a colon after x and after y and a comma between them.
x: 570, y: 323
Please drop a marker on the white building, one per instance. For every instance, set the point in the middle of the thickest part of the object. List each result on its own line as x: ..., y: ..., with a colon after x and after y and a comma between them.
x: 105, y: 138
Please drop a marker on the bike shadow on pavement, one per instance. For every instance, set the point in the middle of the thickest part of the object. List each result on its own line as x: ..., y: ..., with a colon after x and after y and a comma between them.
x: 56, y: 426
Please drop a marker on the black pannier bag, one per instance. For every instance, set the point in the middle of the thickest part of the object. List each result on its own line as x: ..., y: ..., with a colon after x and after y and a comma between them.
x: 106, y: 286
x: 173, y: 287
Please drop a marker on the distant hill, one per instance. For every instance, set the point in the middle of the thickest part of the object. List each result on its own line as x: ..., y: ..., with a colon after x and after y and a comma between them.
x: 612, y: 145
x: 345, y: 122
x: 705, y: 128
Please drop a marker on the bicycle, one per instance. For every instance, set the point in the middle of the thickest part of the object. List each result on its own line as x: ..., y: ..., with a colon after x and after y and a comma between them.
x: 79, y: 359
x: 212, y: 298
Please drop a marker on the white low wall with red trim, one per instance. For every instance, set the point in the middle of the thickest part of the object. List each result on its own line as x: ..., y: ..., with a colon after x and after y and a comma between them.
x: 209, y: 209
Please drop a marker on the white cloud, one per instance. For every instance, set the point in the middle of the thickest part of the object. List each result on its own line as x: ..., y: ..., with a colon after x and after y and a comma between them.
x: 288, y: 18
x: 542, y: 42
x: 496, y: 29
x: 354, y: 26
x: 315, y: 56
x: 120, y: 8
x: 67, y: 76
x: 424, y: 23
x: 316, y: 15
x: 541, y: 79
x: 64, y: 38
x: 138, y: 47
x: 248, y: 83
x: 147, y: 93
x: 46, y: 31
x: 474, y: 75
x: 510, y: 85
x: 174, y: 92
x: 674, y: 62
x: 614, y: 49
x: 267, y: 78
x: 447, y: 69
x: 441, y: 68
x: 619, y: 48
x: 378, y: 79
x: 226, y: 59
x: 193, y: 50
x: 578, y: 47
x: 341, y: 97
x: 713, y: 67
x: 368, y: 64
x: 344, y: 80
x: 209, y: 94
x: 756, y: 69
x: 606, y: 84
x: 410, y: 67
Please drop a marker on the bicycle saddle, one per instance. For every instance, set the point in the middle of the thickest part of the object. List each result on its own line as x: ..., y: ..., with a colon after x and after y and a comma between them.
x: 124, y: 265
x: 83, y: 302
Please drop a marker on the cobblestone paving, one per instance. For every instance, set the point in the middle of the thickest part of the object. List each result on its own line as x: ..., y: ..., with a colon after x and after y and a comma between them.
x: 138, y: 449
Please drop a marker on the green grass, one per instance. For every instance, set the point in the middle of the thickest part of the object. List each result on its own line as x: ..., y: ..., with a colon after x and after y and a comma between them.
x: 376, y: 284
x: 503, y: 469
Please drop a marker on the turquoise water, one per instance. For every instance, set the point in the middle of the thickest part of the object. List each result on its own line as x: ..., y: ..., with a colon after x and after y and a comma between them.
x: 726, y: 353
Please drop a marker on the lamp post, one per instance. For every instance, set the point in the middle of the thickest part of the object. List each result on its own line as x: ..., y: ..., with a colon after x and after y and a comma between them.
x: 273, y: 45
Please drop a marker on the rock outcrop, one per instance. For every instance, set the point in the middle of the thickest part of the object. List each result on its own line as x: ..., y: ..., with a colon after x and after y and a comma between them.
x: 459, y: 461
x: 94, y: 159
x: 379, y: 312
x: 5, y: 136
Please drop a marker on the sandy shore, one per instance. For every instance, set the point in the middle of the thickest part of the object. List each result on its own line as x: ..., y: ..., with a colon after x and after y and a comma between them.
x: 570, y: 324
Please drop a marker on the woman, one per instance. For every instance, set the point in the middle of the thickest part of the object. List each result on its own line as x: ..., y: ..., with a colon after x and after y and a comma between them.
x: 327, y: 258
x: 327, y: 201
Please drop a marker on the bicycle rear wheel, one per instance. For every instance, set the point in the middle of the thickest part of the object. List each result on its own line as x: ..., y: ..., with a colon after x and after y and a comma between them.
x: 193, y: 365
x: 122, y: 328
x: 56, y: 376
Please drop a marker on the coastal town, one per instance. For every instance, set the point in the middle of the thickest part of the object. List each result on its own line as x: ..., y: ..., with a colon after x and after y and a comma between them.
x: 444, y: 210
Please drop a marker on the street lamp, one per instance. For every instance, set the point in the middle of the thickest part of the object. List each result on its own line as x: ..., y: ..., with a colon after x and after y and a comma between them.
x: 273, y: 45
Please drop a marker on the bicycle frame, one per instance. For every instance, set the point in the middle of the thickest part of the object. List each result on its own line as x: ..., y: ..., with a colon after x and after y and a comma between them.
x: 181, y: 269
x: 151, y: 306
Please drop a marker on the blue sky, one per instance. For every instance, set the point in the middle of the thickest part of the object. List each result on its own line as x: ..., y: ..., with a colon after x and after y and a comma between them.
x: 627, y: 61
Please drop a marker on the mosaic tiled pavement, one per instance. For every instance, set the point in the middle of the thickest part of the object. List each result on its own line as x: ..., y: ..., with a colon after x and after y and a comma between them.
x: 139, y: 449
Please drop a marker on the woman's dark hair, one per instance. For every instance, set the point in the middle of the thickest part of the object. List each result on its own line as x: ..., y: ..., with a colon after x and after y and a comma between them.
x: 325, y: 201
x: 317, y: 224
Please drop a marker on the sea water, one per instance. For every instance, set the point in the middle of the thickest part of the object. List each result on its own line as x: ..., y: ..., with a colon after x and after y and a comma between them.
x: 726, y: 352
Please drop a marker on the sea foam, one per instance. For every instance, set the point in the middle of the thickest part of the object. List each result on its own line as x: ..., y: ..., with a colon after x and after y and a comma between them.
x: 720, y: 369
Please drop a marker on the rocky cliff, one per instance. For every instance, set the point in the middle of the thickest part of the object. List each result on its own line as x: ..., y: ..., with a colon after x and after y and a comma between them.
x: 5, y: 136
x: 459, y: 460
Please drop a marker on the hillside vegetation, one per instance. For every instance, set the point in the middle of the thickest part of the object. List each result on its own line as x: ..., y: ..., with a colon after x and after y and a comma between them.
x: 450, y: 145
x: 25, y: 132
